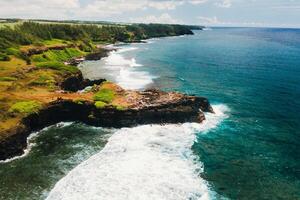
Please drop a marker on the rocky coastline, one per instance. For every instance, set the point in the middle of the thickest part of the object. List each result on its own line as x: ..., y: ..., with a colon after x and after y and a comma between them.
x: 148, y: 107
x: 145, y: 107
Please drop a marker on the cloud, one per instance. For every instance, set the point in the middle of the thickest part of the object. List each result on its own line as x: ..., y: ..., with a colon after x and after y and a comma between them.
x: 196, y: 2
x: 214, y: 21
x: 224, y: 3
x: 57, y: 9
x: 164, y: 5
x: 164, y: 18
x: 208, y: 20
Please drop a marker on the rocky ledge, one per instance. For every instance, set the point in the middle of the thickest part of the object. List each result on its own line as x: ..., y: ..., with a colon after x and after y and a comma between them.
x: 147, y: 107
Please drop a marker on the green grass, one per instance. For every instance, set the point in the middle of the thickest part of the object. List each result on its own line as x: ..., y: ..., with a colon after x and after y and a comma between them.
x: 58, y: 66
x: 120, y: 108
x: 104, y: 95
x: 57, y: 55
x: 54, y: 42
x: 4, y: 57
x: 25, y: 107
x: 62, y: 55
x: 8, y: 78
x: 13, y: 51
x: 39, y: 58
x: 100, y: 104
x: 43, y: 80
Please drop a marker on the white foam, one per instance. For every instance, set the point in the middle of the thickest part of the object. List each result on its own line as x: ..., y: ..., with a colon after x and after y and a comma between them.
x: 125, y: 71
x: 145, y: 162
x: 126, y: 49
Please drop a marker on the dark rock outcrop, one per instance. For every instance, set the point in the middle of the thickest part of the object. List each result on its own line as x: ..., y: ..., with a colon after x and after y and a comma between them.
x: 177, y: 110
x: 76, y: 82
x: 99, y: 54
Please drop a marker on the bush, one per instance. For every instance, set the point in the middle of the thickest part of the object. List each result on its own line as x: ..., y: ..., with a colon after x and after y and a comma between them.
x: 58, y: 66
x: 100, y: 104
x: 104, y: 95
x: 25, y: 107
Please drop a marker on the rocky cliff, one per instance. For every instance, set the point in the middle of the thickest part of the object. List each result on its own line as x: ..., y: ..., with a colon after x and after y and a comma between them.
x: 147, y: 107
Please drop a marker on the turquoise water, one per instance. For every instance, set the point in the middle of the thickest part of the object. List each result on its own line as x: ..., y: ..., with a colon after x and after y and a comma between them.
x: 249, y: 150
x: 255, y: 153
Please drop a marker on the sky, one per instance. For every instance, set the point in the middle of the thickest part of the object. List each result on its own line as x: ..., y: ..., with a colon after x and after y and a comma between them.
x: 257, y: 13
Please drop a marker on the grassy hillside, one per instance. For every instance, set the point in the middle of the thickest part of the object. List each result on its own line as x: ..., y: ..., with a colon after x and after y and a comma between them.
x: 33, y: 56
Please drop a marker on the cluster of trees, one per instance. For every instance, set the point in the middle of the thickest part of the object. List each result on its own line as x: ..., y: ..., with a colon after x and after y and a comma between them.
x: 27, y: 33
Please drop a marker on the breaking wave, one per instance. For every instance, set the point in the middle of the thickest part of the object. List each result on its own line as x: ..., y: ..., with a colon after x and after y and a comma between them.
x: 145, y: 162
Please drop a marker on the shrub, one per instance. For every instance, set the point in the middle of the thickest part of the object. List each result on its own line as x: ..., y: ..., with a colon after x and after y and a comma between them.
x: 100, y: 104
x: 105, y: 95
x: 25, y: 107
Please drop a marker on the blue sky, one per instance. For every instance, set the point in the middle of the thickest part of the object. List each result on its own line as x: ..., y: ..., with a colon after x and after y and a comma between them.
x: 271, y: 13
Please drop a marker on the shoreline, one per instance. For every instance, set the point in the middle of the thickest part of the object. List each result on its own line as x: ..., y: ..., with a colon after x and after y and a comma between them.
x: 183, y: 109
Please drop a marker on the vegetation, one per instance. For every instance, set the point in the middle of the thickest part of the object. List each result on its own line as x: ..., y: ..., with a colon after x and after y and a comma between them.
x: 28, y: 33
x: 33, y: 56
x: 57, y: 66
x: 104, y: 95
x: 79, y: 101
x: 119, y: 107
x: 8, y: 78
x: 25, y: 107
x: 43, y: 80
x: 57, y: 55
x: 100, y: 104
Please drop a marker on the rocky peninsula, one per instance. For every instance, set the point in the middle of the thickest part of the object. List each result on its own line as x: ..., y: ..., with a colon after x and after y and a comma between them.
x: 41, y: 86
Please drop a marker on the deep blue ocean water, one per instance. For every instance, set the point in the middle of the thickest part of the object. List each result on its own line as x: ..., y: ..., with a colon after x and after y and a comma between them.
x: 252, y: 153
x: 255, y: 153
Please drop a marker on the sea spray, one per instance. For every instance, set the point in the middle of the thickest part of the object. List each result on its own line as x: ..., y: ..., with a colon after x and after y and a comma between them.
x: 126, y: 72
x: 145, y: 162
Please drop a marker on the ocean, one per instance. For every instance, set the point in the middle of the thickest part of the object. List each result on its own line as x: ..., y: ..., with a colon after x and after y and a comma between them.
x: 249, y: 149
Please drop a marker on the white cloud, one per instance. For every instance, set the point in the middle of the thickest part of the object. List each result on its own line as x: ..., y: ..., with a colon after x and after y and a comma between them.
x: 208, y: 20
x: 196, y: 2
x: 164, y: 5
x: 38, y: 8
x: 224, y: 3
x: 164, y: 18
x: 214, y: 21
